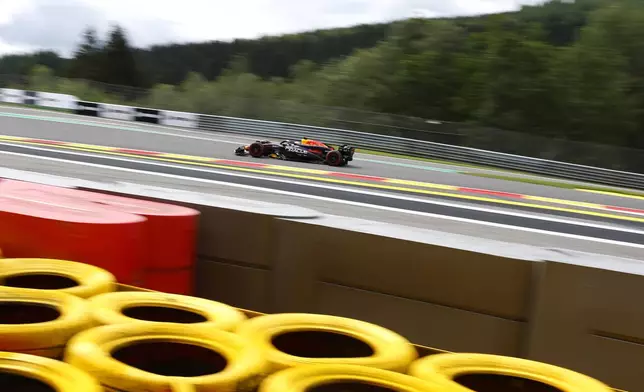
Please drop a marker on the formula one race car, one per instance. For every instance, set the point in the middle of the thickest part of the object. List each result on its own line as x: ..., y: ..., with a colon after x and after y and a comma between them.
x: 305, y: 150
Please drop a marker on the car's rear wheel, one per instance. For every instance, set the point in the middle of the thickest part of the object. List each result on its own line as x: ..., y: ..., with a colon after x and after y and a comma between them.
x: 256, y: 150
x: 334, y: 158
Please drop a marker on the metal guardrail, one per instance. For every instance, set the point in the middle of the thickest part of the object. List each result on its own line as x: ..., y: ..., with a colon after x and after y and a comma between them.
x: 420, y: 148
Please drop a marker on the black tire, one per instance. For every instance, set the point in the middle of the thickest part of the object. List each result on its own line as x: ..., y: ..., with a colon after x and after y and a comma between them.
x: 256, y: 150
x: 334, y: 158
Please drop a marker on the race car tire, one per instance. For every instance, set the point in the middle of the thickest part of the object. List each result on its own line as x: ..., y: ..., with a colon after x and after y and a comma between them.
x: 24, y: 372
x: 157, y: 307
x: 334, y: 158
x: 40, y: 322
x: 256, y: 150
x: 473, y: 372
x: 343, y: 377
x: 154, y: 357
x: 291, y: 339
x: 79, y: 279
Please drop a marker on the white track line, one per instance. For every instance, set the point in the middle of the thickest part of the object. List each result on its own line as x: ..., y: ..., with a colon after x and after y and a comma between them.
x: 346, y: 202
x: 311, y: 184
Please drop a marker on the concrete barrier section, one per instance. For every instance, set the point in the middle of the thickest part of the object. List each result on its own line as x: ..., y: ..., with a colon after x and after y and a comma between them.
x: 588, y: 317
x: 434, y: 291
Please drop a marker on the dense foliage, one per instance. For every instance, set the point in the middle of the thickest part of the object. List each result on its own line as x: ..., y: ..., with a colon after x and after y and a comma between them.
x: 572, y: 70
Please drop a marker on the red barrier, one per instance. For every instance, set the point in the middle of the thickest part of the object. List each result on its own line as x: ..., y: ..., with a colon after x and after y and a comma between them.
x: 49, y: 227
x: 170, y: 231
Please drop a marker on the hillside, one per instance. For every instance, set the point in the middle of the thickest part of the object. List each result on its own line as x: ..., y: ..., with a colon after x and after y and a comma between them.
x: 275, y: 56
x: 267, y: 57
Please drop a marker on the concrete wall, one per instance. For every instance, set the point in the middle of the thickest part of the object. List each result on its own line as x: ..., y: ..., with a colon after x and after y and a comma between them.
x: 588, y: 316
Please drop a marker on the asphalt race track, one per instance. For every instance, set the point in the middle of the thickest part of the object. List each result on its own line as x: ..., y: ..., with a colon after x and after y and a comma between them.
x: 554, y: 217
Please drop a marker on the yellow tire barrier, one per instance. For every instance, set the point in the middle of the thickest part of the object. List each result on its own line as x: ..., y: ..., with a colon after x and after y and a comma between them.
x: 156, y: 357
x: 126, y: 307
x: 344, y: 377
x: 473, y: 372
x: 40, y: 322
x: 24, y: 372
x: 79, y: 279
x: 292, y: 339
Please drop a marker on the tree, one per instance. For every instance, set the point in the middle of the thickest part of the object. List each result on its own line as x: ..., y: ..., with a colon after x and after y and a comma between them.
x: 42, y: 79
x: 87, y: 63
x: 516, y: 94
x: 120, y: 66
x: 619, y: 27
x: 432, y: 78
x: 90, y: 45
x: 238, y: 65
x: 592, y: 91
x: 23, y: 64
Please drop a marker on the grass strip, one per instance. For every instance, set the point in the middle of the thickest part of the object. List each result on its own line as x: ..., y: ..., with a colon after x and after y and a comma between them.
x: 438, y: 161
x: 558, y: 184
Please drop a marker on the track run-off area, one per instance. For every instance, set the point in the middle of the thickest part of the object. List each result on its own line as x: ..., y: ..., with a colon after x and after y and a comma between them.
x: 400, y: 191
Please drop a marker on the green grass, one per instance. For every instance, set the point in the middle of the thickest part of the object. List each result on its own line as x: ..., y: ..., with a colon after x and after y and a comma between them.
x: 557, y: 184
x: 439, y: 161
x: 545, y: 181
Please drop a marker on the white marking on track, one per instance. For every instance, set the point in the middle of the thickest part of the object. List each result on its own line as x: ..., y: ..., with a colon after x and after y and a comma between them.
x: 350, y: 190
x: 346, y: 202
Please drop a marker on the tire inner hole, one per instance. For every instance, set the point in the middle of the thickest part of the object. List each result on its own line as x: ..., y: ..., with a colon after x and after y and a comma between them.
x: 171, y: 358
x: 18, y: 382
x: 40, y: 281
x: 163, y: 314
x: 26, y: 313
x: 498, y: 383
x: 321, y: 344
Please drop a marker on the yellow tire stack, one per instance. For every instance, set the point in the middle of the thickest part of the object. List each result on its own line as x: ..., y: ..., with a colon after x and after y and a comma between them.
x: 344, y: 378
x: 160, y: 342
x: 42, y: 306
x: 145, y: 357
x: 40, y: 323
x: 149, y: 341
x: 293, y: 339
x: 154, y: 307
x: 79, y: 279
x: 25, y: 372
x: 465, y: 372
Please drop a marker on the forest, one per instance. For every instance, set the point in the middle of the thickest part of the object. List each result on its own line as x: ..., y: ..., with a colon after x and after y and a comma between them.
x: 572, y: 70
